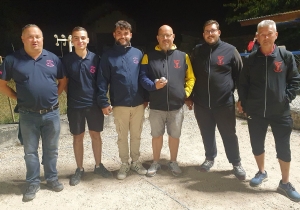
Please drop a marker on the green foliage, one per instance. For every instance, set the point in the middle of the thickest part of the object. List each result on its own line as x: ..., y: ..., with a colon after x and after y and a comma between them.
x: 243, y: 9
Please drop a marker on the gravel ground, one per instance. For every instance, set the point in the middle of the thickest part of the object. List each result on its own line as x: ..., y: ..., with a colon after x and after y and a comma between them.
x: 218, y: 189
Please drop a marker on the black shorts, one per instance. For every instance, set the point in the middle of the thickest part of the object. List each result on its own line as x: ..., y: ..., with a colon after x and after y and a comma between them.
x: 92, y: 115
x: 281, y: 129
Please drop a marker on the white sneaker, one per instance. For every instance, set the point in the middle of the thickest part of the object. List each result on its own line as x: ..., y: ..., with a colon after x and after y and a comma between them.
x: 153, y: 169
x: 123, y: 171
x: 173, y: 166
x: 138, y: 167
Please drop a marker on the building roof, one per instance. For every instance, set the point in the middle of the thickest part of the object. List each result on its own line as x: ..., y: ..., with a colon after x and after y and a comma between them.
x: 278, y: 18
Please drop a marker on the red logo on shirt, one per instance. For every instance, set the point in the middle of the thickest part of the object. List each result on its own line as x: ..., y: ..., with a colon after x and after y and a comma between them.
x: 277, y: 66
x: 93, y: 69
x: 135, y: 60
x: 176, y: 64
x: 0, y: 72
x: 220, y: 60
x: 49, y: 63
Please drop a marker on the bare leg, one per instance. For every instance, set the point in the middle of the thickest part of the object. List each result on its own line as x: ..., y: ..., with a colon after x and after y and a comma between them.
x: 173, y: 145
x: 97, y: 146
x: 157, y: 144
x: 78, y: 149
x: 285, y: 171
x: 260, y: 161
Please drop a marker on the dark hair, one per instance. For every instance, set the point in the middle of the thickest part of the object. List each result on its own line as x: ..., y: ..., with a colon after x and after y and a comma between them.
x: 28, y: 26
x: 78, y: 28
x: 210, y: 22
x: 122, y: 24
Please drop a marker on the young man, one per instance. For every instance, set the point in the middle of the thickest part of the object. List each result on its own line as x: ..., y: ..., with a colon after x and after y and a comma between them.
x: 268, y: 83
x: 168, y: 76
x: 81, y: 71
x: 216, y: 66
x: 36, y: 72
x: 119, y: 69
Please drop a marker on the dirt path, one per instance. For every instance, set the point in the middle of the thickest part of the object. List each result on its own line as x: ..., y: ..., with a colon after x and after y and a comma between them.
x: 218, y: 189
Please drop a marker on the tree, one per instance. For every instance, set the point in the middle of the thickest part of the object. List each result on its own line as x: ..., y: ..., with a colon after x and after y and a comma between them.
x: 243, y: 9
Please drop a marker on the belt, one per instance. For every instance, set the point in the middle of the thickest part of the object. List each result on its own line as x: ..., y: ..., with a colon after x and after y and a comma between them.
x: 41, y: 111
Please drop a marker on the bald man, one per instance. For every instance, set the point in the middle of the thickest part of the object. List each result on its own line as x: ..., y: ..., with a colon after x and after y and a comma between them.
x: 36, y: 72
x: 168, y: 76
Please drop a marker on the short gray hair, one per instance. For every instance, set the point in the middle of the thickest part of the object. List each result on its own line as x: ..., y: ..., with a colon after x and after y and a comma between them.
x: 265, y: 23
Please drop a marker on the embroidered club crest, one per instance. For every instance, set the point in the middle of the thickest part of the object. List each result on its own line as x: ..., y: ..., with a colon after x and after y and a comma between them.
x: 92, y: 69
x: 49, y: 63
x: 176, y: 64
x: 220, y: 60
x: 277, y: 67
x: 135, y: 60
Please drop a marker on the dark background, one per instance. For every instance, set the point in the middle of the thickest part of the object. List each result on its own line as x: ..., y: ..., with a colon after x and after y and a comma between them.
x: 184, y: 16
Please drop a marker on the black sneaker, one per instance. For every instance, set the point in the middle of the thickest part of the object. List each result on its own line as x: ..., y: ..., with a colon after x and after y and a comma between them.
x: 75, y: 178
x: 205, y: 166
x: 239, y: 172
x: 102, y: 171
x: 30, y: 192
x: 55, y: 185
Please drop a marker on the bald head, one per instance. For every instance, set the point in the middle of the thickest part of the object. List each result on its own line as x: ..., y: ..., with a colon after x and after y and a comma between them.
x: 165, y: 37
x: 165, y: 27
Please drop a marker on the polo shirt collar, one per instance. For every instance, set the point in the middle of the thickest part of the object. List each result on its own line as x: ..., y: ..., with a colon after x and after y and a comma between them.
x: 88, y: 55
x: 23, y: 52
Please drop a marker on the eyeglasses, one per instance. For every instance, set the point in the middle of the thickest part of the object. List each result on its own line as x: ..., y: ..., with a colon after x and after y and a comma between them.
x: 212, y: 31
x: 266, y: 35
x: 168, y: 36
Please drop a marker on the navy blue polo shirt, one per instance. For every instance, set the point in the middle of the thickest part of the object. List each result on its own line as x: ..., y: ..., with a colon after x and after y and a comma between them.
x: 35, y: 79
x: 82, y: 75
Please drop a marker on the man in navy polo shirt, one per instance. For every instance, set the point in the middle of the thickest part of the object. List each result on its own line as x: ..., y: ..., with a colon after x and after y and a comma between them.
x: 81, y: 70
x: 36, y: 72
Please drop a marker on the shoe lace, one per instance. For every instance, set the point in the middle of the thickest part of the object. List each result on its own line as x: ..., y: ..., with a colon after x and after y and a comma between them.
x: 238, y: 168
x: 154, y: 166
x: 208, y: 163
x: 30, y: 188
x: 258, y: 174
x: 289, y: 186
x: 123, y: 168
x: 174, y: 166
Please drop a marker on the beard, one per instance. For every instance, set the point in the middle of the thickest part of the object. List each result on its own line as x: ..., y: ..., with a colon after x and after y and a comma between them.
x: 126, y: 43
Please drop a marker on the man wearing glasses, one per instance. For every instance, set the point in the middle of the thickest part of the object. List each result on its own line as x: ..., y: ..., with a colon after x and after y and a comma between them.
x: 168, y: 76
x: 216, y: 66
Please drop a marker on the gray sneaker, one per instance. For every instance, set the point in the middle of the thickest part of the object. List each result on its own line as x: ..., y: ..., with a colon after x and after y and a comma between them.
x: 138, y: 167
x: 55, y: 185
x: 123, y: 171
x: 102, y: 171
x: 30, y: 192
x: 205, y: 166
x: 173, y: 166
x: 239, y: 172
x: 75, y: 178
x: 153, y: 169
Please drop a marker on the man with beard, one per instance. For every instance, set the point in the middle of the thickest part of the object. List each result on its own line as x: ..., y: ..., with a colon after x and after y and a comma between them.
x: 119, y: 69
x: 216, y: 66
x: 168, y: 76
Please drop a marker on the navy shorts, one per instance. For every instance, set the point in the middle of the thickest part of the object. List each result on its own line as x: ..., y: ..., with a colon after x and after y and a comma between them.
x: 92, y: 115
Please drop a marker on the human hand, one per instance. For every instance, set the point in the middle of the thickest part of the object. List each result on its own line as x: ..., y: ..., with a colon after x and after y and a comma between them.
x: 146, y: 103
x: 107, y: 110
x: 160, y: 83
x: 189, y: 103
